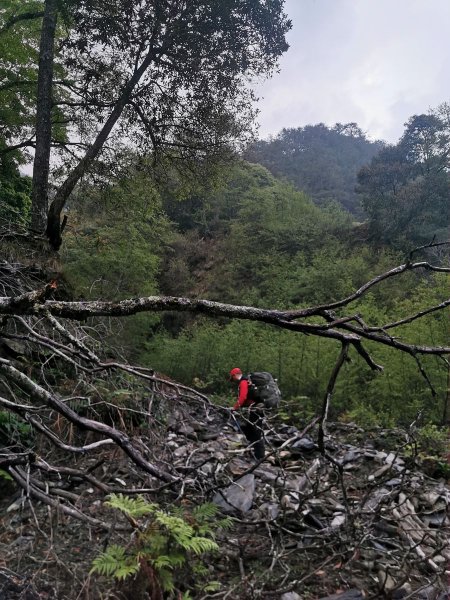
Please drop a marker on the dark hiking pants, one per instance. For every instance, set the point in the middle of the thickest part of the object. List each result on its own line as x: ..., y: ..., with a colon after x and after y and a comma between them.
x: 252, y: 427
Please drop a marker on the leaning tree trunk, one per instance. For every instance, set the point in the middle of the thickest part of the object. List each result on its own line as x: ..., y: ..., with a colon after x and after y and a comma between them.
x: 39, y: 193
x: 54, y: 226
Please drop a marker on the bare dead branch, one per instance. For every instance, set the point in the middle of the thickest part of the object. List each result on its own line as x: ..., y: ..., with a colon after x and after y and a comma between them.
x: 60, y: 444
x: 431, y: 244
x: 51, y: 401
x: 22, y: 480
x: 36, y: 303
x: 411, y: 318
x: 327, y: 399
x: 18, y: 458
x: 317, y: 310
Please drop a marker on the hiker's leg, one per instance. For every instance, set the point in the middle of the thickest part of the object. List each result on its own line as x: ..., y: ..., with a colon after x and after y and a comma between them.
x: 256, y: 434
x: 259, y: 449
x: 254, y: 438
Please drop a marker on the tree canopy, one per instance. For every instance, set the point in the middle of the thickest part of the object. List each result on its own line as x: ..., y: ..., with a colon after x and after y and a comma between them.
x: 319, y: 160
x: 164, y: 76
x: 406, y: 188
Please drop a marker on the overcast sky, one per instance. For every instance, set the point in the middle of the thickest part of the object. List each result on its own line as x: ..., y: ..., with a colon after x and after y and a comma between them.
x: 375, y: 62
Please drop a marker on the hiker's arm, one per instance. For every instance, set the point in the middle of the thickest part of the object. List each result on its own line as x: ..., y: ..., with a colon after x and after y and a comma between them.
x: 243, y: 391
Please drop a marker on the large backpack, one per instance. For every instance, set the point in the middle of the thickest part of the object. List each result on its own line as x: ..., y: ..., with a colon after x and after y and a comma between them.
x: 263, y: 389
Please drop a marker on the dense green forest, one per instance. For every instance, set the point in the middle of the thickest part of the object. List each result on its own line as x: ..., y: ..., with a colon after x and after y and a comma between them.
x: 251, y: 238
x: 246, y: 237
x: 254, y: 240
x: 322, y: 161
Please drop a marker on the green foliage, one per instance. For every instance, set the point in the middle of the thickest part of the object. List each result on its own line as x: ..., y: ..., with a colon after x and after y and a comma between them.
x: 297, y: 409
x: 114, y: 252
x: 429, y: 446
x: 19, y: 46
x: 249, y: 241
x: 114, y: 562
x: 19, y: 51
x: 133, y: 507
x: 433, y: 440
x: 366, y: 416
x: 207, y: 350
x: 172, y: 544
x: 321, y: 161
x: 12, y: 428
x: 5, y: 475
x: 15, y: 189
x: 405, y: 187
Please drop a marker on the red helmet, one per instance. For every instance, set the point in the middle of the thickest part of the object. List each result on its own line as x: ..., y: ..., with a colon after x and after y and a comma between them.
x: 235, y: 371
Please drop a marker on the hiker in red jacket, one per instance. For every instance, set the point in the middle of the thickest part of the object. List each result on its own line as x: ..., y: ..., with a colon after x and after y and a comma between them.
x: 252, y: 424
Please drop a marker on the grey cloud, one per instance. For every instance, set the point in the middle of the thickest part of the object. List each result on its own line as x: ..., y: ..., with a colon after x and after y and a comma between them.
x: 375, y: 62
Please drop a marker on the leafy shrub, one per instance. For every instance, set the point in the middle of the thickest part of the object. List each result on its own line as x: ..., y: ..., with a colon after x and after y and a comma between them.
x: 297, y: 409
x: 433, y: 439
x: 12, y: 428
x: 365, y: 416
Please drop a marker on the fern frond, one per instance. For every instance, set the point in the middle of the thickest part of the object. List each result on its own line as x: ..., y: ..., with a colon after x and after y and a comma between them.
x: 165, y: 540
x: 225, y: 523
x: 177, y: 559
x: 199, y: 569
x: 163, y: 562
x: 153, y: 544
x: 212, y: 586
x: 114, y: 562
x: 198, y: 545
x: 125, y: 571
x: 166, y: 580
x: 175, y: 526
x: 178, y: 511
x: 133, y: 507
x: 205, y: 511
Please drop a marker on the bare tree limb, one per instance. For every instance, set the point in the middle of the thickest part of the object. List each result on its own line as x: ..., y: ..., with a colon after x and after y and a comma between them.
x: 34, y: 303
x: 411, y: 318
x: 25, y: 16
x: 51, y: 401
x: 327, y: 398
x: 295, y: 314
x: 21, y: 479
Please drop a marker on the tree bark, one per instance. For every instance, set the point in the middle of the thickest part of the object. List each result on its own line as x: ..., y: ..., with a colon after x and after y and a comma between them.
x: 54, y: 229
x: 39, y: 193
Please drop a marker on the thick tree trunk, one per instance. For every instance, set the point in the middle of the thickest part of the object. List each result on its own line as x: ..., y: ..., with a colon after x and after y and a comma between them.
x: 54, y: 229
x: 39, y: 194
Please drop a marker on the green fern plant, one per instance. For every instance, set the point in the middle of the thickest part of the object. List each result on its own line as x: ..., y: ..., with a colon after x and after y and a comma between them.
x: 165, y: 542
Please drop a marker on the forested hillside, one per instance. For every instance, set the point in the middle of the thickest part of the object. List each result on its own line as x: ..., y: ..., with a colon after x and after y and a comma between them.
x: 322, y: 161
x: 252, y: 239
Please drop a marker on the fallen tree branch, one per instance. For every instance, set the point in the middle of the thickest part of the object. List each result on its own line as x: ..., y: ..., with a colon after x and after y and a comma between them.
x: 327, y: 399
x: 122, y: 440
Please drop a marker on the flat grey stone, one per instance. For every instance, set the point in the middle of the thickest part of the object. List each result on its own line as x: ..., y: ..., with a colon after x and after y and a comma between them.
x: 238, y: 496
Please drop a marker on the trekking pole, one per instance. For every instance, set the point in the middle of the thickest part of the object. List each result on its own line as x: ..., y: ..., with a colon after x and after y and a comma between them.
x: 236, y: 425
